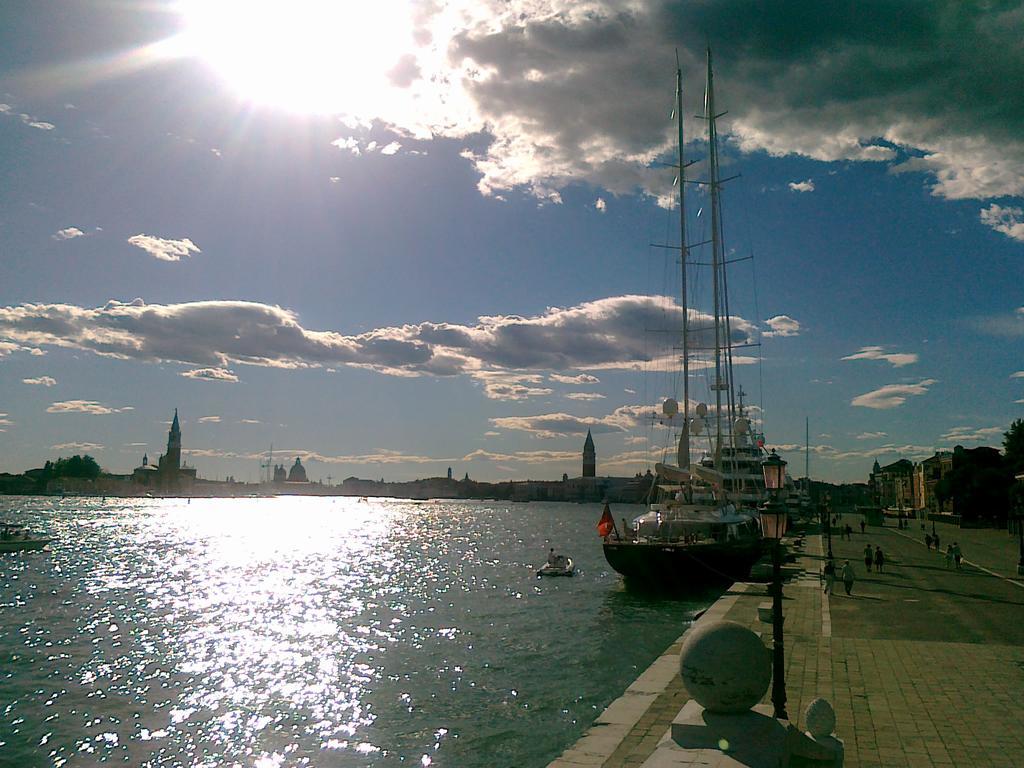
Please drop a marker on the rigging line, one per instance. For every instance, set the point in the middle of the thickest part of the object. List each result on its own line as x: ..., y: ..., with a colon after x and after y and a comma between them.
x: 746, y: 208
x: 709, y: 110
x: 683, y: 258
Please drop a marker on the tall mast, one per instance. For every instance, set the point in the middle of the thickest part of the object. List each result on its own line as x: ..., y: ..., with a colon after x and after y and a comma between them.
x: 807, y: 452
x: 716, y: 247
x: 683, y: 453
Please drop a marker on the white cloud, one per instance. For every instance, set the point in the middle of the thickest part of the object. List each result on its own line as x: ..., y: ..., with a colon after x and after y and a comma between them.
x: 1008, y: 220
x: 584, y: 396
x: 68, y: 233
x: 897, y: 359
x: 551, y: 425
x: 892, y: 395
x: 501, y: 351
x: 164, y: 249
x: 601, y: 205
x: 84, y: 406
x: 782, y: 326
x: 211, y: 374
x: 73, y: 446
x: 502, y: 385
x: 972, y: 435
x: 509, y: 68
x: 209, y: 419
x: 583, y: 378
x: 4, y: 422
x: 1017, y: 375
x: 351, y: 144
x: 6, y: 348
x: 871, y: 435
x: 802, y: 186
x: 43, y: 381
x: 334, y: 179
x: 390, y: 149
x: 31, y: 122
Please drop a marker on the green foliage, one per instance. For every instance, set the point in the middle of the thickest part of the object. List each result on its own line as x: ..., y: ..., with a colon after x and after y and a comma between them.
x: 979, y: 485
x: 1013, y: 447
x: 75, y: 466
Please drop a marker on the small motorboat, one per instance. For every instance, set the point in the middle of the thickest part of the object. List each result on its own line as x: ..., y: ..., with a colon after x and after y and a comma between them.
x: 562, y: 566
x: 15, y: 537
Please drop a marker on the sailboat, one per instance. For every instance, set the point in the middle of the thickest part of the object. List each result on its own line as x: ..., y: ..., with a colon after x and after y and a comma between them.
x: 702, y: 525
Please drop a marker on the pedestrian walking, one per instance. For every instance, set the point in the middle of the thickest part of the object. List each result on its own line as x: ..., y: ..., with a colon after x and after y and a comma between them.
x: 949, y: 555
x: 869, y: 557
x: 830, y: 576
x: 936, y: 539
x: 879, y: 559
x: 862, y: 526
x: 849, y: 532
x: 957, y: 556
x: 928, y: 541
x: 847, y: 576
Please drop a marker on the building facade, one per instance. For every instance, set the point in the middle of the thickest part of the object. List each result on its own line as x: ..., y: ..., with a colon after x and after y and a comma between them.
x: 927, y: 474
x: 893, y: 484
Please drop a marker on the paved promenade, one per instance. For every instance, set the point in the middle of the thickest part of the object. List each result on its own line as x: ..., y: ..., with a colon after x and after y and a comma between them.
x: 923, y: 664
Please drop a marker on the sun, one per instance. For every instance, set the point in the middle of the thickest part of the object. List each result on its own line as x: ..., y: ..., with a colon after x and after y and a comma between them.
x: 313, y: 56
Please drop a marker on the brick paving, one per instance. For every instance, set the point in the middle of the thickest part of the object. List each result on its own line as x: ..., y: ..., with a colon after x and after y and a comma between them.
x: 924, y: 665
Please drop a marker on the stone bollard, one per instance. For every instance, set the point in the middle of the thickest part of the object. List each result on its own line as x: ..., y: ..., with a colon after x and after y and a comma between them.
x: 727, y: 669
x: 818, y: 745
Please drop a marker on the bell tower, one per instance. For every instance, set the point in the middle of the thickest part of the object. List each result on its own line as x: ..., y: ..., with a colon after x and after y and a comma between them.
x: 589, y: 457
x: 174, y: 447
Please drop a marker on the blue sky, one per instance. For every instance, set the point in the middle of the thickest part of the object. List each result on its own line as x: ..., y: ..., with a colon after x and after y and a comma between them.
x: 418, y: 236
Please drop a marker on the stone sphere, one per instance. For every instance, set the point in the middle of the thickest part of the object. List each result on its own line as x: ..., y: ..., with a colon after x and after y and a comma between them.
x: 725, y: 667
x: 820, y: 718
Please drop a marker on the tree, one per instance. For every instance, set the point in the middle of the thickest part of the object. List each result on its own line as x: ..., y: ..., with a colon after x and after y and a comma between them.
x: 978, y: 485
x: 75, y: 466
x: 1013, y: 447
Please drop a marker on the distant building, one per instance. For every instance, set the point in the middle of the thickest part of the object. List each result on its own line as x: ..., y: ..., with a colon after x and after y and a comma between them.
x: 450, y: 473
x: 297, y: 474
x: 927, y: 475
x: 145, y: 473
x: 589, y: 457
x: 170, y: 473
x: 893, y: 484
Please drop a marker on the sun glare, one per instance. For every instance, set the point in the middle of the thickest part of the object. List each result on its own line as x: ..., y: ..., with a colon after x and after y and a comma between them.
x: 302, y: 55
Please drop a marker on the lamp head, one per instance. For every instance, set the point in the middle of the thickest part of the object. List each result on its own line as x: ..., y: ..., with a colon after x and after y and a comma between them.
x: 774, y: 520
x: 774, y: 469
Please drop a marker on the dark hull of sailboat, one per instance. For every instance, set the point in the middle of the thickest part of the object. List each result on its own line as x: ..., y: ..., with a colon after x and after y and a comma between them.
x: 682, y: 568
x: 23, y: 545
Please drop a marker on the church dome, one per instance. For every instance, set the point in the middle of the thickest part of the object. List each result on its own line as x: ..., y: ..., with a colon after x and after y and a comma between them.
x: 297, y: 474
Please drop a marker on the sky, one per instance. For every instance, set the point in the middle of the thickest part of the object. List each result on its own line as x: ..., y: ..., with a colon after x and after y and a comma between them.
x: 397, y: 237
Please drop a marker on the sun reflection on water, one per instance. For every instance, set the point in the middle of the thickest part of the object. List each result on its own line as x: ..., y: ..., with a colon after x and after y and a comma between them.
x: 265, y: 632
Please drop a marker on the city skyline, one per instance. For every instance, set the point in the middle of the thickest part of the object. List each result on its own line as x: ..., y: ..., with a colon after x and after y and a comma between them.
x: 398, y: 240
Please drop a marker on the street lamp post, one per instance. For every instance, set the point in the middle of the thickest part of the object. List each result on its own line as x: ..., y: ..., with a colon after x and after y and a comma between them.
x: 828, y: 519
x: 1020, y: 539
x: 773, y: 525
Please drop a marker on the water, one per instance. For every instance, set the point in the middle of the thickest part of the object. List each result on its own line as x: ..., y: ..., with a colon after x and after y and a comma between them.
x: 311, y: 631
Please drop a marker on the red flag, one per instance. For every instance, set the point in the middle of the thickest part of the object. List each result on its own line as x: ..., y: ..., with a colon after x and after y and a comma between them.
x: 606, y: 524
